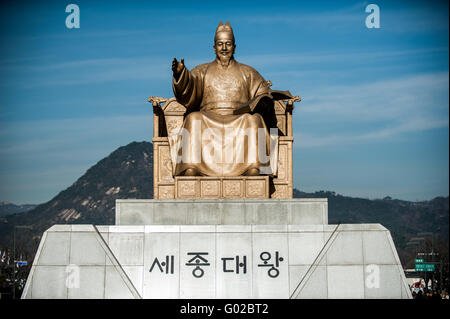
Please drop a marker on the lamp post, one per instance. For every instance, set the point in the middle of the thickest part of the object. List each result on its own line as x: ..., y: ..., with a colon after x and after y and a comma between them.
x: 14, y: 254
x: 426, y: 234
x: 425, y: 275
x: 430, y: 235
x: 413, y: 244
x: 417, y: 242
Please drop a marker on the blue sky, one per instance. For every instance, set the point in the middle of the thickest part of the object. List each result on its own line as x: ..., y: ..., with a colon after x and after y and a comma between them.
x: 374, y: 120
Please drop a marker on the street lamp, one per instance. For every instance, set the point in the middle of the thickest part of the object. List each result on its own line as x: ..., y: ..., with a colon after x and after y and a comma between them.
x: 417, y: 241
x: 412, y: 244
x: 14, y: 254
x: 425, y: 233
x: 431, y: 234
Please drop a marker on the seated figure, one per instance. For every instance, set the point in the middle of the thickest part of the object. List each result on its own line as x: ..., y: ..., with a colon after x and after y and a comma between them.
x: 230, y: 126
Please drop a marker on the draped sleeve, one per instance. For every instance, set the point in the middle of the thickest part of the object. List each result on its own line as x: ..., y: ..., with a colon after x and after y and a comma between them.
x: 260, y: 96
x: 256, y: 83
x: 188, y: 89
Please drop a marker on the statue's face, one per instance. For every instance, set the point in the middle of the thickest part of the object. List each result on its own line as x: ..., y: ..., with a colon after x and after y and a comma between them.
x: 224, y: 46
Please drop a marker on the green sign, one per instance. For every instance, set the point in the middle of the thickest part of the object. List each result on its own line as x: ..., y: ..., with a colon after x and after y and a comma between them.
x: 418, y: 261
x: 424, y: 267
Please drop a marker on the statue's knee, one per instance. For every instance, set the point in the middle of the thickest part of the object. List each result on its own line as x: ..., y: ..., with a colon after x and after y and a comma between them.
x: 252, y: 172
x: 258, y: 119
x: 255, y: 120
x: 191, y: 172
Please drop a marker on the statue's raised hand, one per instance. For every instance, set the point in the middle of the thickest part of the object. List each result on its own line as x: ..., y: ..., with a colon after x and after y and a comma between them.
x: 177, y: 67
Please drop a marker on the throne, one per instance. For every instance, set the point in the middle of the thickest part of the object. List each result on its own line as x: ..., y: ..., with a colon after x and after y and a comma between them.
x: 168, y: 115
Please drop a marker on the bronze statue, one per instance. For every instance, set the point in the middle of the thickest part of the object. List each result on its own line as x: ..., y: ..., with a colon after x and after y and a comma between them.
x: 229, y: 103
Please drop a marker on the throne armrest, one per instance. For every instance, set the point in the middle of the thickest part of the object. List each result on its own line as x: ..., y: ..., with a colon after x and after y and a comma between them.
x: 283, y: 112
x: 168, y: 114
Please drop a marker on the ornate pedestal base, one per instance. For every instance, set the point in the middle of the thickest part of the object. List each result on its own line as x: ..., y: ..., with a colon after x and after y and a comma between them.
x: 201, y: 187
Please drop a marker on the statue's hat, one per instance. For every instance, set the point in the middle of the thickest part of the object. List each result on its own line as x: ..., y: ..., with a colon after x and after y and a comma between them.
x: 224, y: 28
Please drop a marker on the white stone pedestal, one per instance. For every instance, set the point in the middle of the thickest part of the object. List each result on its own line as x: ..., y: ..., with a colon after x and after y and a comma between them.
x: 240, y: 260
x: 309, y: 211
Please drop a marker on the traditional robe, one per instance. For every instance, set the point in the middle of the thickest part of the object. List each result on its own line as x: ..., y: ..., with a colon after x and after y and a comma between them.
x: 213, y: 139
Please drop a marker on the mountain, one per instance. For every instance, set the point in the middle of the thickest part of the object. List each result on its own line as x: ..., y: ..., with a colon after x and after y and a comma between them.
x: 125, y: 173
x: 128, y: 173
x: 404, y: 219
x: 7, y: 208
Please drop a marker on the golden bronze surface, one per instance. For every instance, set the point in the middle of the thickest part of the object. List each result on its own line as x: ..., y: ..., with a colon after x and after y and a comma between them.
x: 222, y: 97
x: 203, y: 142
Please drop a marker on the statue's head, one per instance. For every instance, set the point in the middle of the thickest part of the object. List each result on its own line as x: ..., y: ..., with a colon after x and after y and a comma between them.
x: 224, y: 45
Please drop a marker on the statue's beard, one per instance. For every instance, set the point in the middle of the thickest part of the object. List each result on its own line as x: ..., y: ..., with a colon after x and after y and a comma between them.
x: 225, y: 58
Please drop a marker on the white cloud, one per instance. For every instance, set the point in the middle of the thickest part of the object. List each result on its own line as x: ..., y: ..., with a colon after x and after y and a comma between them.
x: 274, y: 60
x: 56, y: 136
x: 384, y: 109
x: 89, y: 71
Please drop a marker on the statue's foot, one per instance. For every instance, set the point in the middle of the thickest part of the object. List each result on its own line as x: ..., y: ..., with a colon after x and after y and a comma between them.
x: 252, y: 172
x: 191, y: 172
